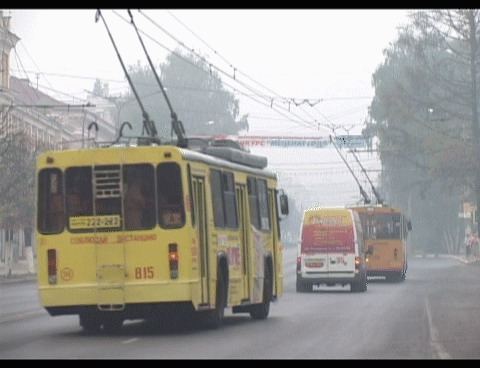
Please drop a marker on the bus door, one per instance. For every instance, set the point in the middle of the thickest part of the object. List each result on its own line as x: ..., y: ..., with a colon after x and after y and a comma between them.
x: 200, y: 209
x: 277, y: 251
x: 111, y: 270
x: 244, y: 240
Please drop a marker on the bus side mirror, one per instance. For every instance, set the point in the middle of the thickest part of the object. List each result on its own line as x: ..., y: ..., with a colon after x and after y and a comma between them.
x: 284, y: 204
x: 409, y: 225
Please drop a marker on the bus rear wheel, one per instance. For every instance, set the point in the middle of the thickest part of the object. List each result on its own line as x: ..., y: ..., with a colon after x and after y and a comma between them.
x: 359, y: 286
x: 395, y: 277
x: 261, y: 311
x: 90, y: 322
x: 215, y: 317
x: 112, y: 324
x: 303, y: 287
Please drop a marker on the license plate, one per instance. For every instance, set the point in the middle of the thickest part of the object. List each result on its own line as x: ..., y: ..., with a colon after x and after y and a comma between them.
x: 90, y: 222
x: 314, y: 263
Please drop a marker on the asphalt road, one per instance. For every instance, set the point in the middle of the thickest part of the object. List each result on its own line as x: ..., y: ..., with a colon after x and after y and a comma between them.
x: 433, y: 314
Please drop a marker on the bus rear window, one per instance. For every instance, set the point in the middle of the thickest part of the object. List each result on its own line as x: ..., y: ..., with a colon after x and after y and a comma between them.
x: 139, y: 201
x: 50, y: 215
x: 386, y: 226
x: 110, y: 197
x: 78, y: 188
x: 171, y: 211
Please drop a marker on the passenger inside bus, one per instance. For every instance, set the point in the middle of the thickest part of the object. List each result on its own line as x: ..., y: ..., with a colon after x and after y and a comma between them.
x: 382, y: 231
x: 169, y: 193
x: 135, y: 203
x: 78, y: 199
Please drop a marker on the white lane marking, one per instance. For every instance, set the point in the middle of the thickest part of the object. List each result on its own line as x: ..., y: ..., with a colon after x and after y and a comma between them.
x: 130, y: 340
x: 437, y: 346
x: 23, y: 315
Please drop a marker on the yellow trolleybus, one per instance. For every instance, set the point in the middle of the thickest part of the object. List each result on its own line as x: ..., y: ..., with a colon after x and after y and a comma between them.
x: 385, y: 229
x: 138, y: 231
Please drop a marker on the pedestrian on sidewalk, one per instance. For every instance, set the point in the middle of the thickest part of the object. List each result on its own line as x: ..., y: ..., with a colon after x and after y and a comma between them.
x: 475, y: 245
x: 468, y: 246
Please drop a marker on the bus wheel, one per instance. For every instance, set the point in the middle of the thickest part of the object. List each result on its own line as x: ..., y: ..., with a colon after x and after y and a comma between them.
x: 215, y: 317
x: 400, y: 276
x: 112, y: 324
x: 360, y: 286
x: 261, y: 311
x: 90, y: 322
x: 303, y: 287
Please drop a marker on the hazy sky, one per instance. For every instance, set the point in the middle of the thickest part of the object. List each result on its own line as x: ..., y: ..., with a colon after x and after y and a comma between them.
x: 301, y: 54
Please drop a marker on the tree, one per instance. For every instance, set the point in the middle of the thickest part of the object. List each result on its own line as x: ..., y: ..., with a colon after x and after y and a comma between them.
x: 99, y: 89
x: 425, y: 112
x: 197, y: 96
x: 17, y: 165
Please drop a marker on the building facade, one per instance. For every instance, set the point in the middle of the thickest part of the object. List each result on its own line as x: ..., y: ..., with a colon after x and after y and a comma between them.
x: 44, y: 121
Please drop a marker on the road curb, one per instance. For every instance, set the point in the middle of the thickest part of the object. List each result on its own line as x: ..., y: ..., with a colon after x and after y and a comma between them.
x: 17, y: 279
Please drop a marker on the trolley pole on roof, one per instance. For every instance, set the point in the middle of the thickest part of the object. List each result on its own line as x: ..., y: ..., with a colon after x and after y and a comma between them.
x: 366, y: 198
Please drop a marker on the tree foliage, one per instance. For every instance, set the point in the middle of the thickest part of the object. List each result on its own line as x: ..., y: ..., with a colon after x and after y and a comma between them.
x: 425, y: 113
x: 100, y: 89
x: 17, y: 164
x: 196, y: 93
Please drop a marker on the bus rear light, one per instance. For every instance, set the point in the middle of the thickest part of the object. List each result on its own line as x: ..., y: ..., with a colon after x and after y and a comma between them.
x: 299, y: 263
x: 173, y: 260
x: 52, y: 266
x: 358, y: 260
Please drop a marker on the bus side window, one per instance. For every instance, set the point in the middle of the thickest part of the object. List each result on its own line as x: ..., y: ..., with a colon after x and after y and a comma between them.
x: 263, y: 210
x: 171, y: 210
x: 217, y: 198
x: 253, y: 202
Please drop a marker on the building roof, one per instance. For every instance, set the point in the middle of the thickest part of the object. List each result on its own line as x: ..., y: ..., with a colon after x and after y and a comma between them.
x: 25, y: 94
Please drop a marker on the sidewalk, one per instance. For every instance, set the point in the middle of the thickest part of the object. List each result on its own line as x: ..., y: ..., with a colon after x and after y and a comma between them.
x: 17, y: 272
x: 459, y: 257
x: 463, y: 259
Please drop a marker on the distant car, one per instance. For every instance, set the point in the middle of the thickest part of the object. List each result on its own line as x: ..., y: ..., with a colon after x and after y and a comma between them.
x: 331, y: 250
